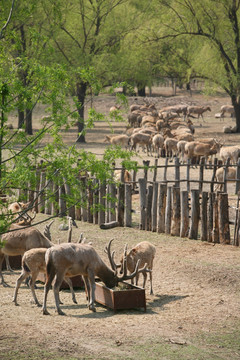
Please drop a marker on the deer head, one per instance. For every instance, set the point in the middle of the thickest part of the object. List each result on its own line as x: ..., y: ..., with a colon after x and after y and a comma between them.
x: 115, y: 266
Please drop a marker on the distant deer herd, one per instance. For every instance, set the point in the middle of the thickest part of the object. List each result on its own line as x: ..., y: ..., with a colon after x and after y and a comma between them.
x: 164, y: 132
x: 154, y: 130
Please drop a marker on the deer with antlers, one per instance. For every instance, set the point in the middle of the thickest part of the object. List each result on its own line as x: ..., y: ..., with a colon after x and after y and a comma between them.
x: 82, y: 259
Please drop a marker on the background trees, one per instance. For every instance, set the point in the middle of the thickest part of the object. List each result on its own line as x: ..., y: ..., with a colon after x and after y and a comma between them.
x: 212, y: 28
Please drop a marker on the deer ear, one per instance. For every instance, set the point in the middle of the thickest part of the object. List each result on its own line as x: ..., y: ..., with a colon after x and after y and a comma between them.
x: 133, y: 251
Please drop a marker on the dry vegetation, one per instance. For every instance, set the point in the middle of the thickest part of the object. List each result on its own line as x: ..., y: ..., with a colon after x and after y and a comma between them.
x: 193, y: 314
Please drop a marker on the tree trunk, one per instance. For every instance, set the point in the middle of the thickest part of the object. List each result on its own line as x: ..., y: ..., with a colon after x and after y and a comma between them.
x: 141, y: 90
x: 236, y: 105
x: 28, y: 122
x: 20, y: 119
x: 81, y: 88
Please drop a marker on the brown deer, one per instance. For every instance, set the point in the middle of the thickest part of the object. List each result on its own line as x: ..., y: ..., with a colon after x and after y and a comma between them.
x: 81, y: 259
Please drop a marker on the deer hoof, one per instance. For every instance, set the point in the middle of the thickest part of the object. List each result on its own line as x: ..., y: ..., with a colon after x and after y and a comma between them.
x: 45, y: 312
x: 92, y: 307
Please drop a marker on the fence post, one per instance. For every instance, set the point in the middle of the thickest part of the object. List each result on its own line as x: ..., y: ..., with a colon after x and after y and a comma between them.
x: 142, y: 192
x: 120, y: 206
x: 112, y: 205
x: 96, y: 201
x: 155, y: 170
x: 188, y: 174
x: 42, y: 196
x: 204, y: 216
x: 177, y: 172
x: 165, y: 169
x: 149, y: 207
x: 71, y: 210
x: 146, y: 166
x: 225, y: 175
x: 215, y: 165
x: 224, y: 232
x: 102, y: 203
x: 62, y: 203
x: 175, y: 224
x: 84, y: 198
x: 210, y: 216
x: 215, y: 231
x: 168, y: 212
x: 201, y: 173
x: 184, y: 213
x: 162, y: 207
x: 48, y: 205
x: 128, y: 205
x: 238, y: 177
x: 195, y: 212
x: 154, y: 207
x: 90, y: 203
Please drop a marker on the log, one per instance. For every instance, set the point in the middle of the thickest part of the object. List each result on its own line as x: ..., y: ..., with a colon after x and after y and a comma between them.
x: 110, y: 225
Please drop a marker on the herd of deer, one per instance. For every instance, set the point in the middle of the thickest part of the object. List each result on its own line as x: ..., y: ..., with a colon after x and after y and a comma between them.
x: 164, y: 131
x: 62, y: 261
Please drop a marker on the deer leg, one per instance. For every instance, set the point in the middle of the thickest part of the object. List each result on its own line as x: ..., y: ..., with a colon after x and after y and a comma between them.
x: 1, y: 275
x: 8, y: 266
x: 56, y: 287
x: 20, y: 279
x: 151, y: 289
x: 32, y: 287
x: 91, y: 300
x: 47, y: 287
x: 87, y: 287
x: 144, y: 279
x: 69, y: 282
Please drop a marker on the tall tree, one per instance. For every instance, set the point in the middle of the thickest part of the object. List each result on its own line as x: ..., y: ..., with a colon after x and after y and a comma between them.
x: 215, y: 27
x: 90, y: 33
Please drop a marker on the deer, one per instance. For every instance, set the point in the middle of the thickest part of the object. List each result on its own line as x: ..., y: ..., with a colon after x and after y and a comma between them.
x: 18, y: 210
x: 33, y: 263
x: 82, y: 259
x: 18, y: 240
x: 145, y: 253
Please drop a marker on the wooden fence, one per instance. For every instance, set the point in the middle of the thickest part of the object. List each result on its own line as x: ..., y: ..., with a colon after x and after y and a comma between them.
x: 178, y: 204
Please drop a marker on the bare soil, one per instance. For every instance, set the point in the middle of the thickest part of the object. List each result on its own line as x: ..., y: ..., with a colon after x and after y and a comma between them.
x: 193, y: 314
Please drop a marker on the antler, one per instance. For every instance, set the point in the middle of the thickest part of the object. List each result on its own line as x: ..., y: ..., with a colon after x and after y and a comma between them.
x: 46, y: 231
x: 136, y: 271
x: 111, y: 255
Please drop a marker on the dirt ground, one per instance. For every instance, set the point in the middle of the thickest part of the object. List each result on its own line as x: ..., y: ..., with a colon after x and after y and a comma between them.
x: 193, y: 314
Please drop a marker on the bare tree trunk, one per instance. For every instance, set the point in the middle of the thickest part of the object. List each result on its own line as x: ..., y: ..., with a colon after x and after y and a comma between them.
x: 81, y: 94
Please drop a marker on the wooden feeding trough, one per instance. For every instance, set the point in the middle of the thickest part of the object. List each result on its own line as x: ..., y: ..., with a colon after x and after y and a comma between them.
x: 126, y: 296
